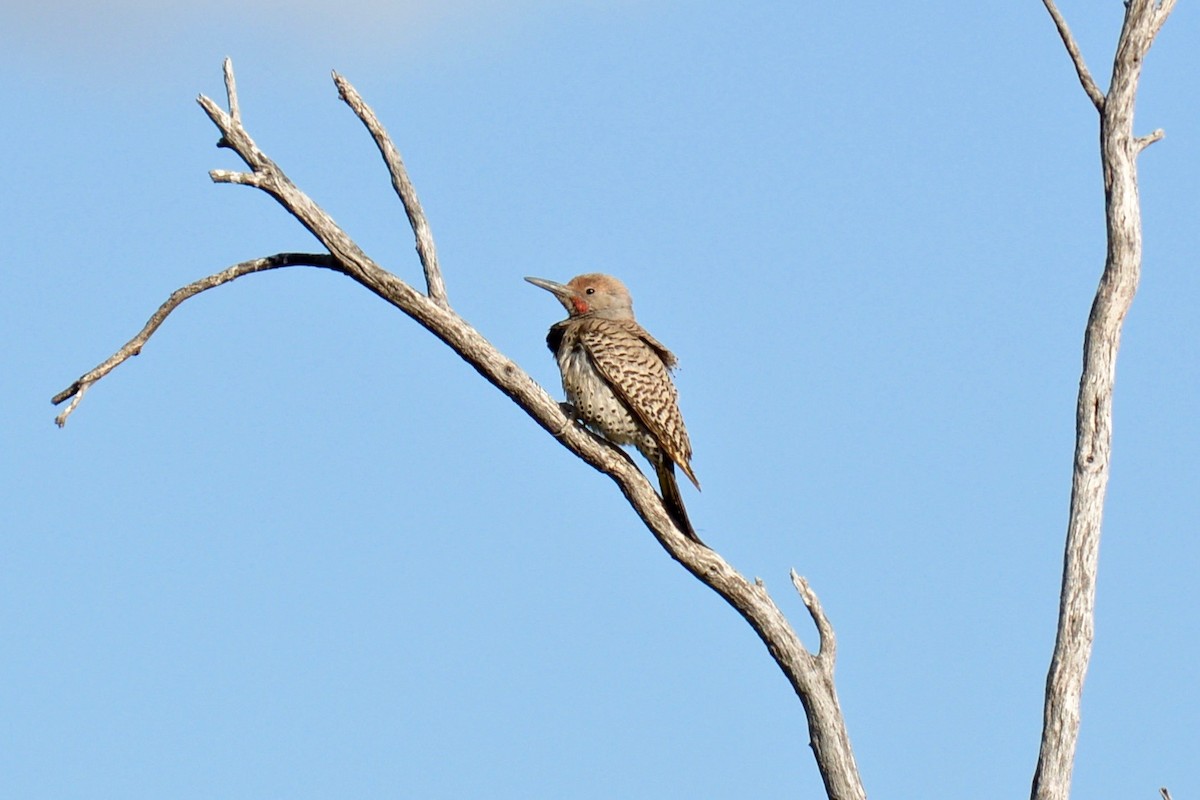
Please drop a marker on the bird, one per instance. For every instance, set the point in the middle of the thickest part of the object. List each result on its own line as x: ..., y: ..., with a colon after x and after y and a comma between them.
x: 617, y: 379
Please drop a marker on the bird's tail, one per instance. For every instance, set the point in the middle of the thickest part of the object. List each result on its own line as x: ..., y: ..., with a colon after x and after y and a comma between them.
x: 669, y: 487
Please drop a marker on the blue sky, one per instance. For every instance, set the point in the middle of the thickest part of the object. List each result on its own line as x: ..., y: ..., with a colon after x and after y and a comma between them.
x: 297, y: 548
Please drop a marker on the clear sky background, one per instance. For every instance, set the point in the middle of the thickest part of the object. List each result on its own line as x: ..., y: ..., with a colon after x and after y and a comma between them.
x: 298, y: 549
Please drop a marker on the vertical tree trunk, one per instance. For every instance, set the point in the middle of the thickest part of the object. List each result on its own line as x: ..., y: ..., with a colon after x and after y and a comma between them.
x: 1119, y: 149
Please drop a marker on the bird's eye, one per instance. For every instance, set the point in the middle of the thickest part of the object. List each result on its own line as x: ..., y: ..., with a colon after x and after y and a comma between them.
x: 591, y: 290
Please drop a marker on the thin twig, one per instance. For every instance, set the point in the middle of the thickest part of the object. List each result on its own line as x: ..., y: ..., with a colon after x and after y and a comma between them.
x: 827, y: 648
x: 235, y: 177
x: 134, y: 345
x: 231, y: 94
x: 1142, y: 142
x: 1085, y: 77
x: 426, y: 250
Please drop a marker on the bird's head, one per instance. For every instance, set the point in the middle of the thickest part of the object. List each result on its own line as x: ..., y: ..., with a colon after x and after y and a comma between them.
x: 594, y: 293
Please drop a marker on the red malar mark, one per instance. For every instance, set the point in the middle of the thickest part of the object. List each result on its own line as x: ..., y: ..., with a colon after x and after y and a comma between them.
x: 581, y: 307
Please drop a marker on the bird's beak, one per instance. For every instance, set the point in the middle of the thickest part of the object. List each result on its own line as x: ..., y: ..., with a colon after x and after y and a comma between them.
x: 565, y: 294
x: 561, y: 291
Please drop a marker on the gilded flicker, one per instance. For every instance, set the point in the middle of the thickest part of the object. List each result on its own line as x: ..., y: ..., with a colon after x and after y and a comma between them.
x: 617, y: 379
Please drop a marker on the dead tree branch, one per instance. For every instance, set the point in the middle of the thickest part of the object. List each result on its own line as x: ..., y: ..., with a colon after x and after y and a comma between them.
x: 426, y: 250
x: 1093, y: 420
x: 133, y: 347
x: 1085, y: 77
x: 811, y: 676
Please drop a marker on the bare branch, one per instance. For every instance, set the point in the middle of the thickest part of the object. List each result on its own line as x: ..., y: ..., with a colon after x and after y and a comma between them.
x: 134, y: 346
x: 1093, y: 416
x: 231, y: 176
x: 426, y: 250
x: 1085, y: 77
x: 1142, y: 142
x: 1158, y: 12
x: 1165, y: 794
x: 231, y: 94
x: 827, y: 649
x: 810, y: 677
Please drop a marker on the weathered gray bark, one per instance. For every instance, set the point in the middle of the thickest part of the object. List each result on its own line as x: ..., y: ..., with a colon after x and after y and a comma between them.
x: 811, y: 675
x: 1119, y: 149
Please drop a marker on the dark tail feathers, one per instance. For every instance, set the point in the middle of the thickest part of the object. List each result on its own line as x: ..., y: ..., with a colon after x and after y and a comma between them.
x: 672, y: 500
